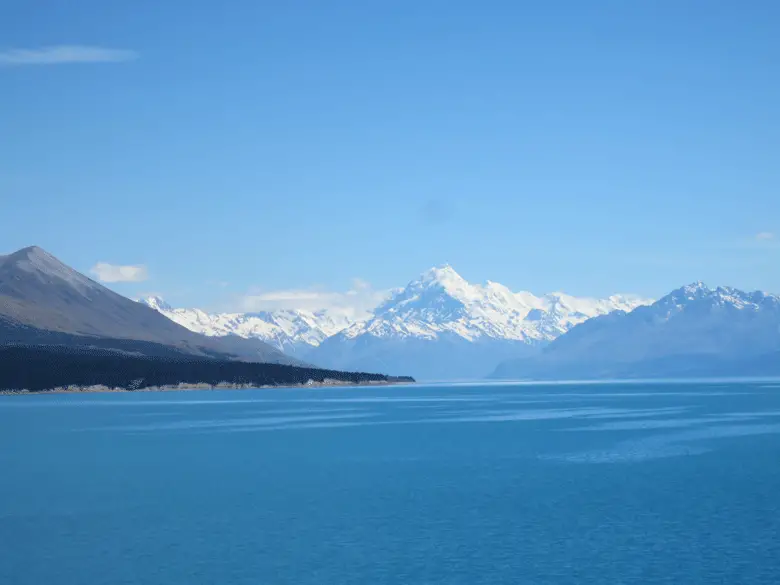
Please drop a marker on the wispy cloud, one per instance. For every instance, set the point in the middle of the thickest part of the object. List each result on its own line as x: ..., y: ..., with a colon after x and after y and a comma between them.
x: 106, y: 272
x: 64, y: 54
x: 765, y: 236
x: 355, y: 302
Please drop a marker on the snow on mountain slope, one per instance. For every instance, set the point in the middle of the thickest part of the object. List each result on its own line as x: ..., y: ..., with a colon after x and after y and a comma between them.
x: 442, y: 302
x: 468, y: 328
x: 441, y: 324
x: 292, y: 331
x: 694, y: 330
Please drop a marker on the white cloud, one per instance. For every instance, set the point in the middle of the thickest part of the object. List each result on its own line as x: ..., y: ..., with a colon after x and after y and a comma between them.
x: 765, y: 236
x: 61, y: 54
x: 356, y: 302
x: 106, y: 272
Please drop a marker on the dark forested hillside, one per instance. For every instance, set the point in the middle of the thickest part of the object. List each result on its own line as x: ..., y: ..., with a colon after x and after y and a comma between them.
x: 37, y: 368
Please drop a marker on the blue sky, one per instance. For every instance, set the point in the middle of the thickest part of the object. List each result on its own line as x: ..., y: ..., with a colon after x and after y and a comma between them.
x: 245, y: 148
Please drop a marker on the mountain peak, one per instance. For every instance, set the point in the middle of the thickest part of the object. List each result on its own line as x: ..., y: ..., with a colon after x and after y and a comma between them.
x: 155, y: 302
x: 443, y: 275
x: 44, y: 300
x: 31, y: 253
x: 700, y: 295
x: 696, y: 286
x: 693, y: 291
x: 35, y: 262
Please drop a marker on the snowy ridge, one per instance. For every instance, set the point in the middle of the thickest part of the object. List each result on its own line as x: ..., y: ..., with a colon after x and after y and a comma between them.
x: 441, y: 327
x: 439, y: 306
x: 291, y: 331
x: 442, y: 302
x: 694, y: 330
x: 723, y: 296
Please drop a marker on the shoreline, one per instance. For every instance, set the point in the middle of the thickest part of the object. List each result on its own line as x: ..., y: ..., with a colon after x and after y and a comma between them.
x: 101, y: 389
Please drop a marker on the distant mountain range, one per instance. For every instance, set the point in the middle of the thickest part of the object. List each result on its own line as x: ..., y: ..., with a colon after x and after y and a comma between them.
x: 294, y: 332
x: 441, y: 327
x: 437, y: 327
x: 693, y: 331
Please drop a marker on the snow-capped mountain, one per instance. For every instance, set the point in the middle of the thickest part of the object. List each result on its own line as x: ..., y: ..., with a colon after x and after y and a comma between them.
x: 442, y: 302
x: 694, y: 330
x: 441, y: 326
x: 293, y: 331
x: 438, y: 326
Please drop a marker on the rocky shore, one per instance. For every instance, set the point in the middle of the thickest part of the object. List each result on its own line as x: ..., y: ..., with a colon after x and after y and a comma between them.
x: 99, y: 388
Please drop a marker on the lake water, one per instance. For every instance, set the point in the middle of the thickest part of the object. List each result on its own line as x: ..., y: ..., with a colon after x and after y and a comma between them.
x: 494, y: 484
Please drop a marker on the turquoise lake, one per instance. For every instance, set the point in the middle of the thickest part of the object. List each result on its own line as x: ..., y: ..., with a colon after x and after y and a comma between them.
x: 464, y: 484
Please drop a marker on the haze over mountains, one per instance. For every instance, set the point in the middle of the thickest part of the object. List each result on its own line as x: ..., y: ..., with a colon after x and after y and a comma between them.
x: 693, y: 331
x: 439, y: 326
